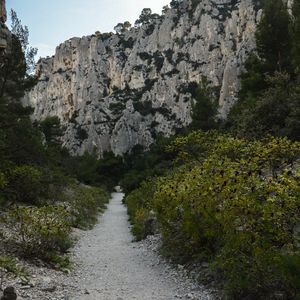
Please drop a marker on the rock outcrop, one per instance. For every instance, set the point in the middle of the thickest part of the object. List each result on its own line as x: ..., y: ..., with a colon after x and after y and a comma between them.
x: 5, y: 35
x: 114, y: 91
x: 9, y: 293
x: 3, y: 16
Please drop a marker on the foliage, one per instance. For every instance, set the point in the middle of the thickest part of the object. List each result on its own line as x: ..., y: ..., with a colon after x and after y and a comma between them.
x: 276, y: 110
x: 61, y: 262
x: 139, y: 209
x: 204, y: 109
x: 51, y: 129
x: 15, y: 64
x: 194, y: 4
x: 272, y: 38
x: 22, y: 34
x: 122, y: 27
x: 44, y: 231
x: 9, y: 265
x: 25, y: 184
x: 268, y: 101
x: 86, y: 203
x: 3, y: 181
x: 20, y: 141
x: 144, y: 108
x: 175, y: 3
x: 110, y: 169
x: 146, y: 17
x: 165, y: 9
x: 117, y: 107
x: 233, y: 203
x: 236, y: 209
x: 140, y: 165
x: 193, y: 147
x: 295, y: 36
x: 39, y: 231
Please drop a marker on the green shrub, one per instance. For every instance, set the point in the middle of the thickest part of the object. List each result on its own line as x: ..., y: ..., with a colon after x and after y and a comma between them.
x: 40, y: 231
x: 205, y: 107
x: 61, y: 262
x: 236, y: 208
x: 86, y: 203
x: 139, y: 209
x: 3, y: 183
x: 9, y: 265
x: 117, y: 107
x: 233, y: 203
x: 25, y: 184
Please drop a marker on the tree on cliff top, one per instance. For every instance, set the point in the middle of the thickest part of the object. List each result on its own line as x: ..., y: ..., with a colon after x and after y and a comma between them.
x: 122, y: 27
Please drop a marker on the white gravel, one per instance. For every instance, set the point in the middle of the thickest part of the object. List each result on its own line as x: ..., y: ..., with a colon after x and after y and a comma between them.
x: 113, y: 268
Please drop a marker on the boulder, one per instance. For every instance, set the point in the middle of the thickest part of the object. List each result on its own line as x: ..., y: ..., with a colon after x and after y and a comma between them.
x: 9, y: 293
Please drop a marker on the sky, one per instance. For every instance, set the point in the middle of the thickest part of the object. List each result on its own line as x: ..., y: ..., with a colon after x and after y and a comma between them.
x: 51, y: 22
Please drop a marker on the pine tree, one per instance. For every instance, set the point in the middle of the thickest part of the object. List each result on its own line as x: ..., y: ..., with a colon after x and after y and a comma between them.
x: 272, y: 37
x: 295, y: 34
x: 20, y: 141
x: 273, y: 54
x: 204, y: 110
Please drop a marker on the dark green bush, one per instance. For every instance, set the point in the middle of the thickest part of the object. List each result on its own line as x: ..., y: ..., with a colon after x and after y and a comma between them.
x: 25, y: 184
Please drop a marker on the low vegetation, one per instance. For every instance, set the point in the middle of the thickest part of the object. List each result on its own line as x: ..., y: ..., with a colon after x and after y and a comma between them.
x: 230, y: 195
x: 44, y: 230
x: 9, y: 265
x: 233, y: 203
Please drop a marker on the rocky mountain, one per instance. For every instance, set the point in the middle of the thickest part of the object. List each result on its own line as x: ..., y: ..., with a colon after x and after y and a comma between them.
x: 114, y: 91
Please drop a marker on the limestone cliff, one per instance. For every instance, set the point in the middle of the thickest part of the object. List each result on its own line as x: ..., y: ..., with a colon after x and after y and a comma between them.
x: 113, y: 91
x: 5, y: 35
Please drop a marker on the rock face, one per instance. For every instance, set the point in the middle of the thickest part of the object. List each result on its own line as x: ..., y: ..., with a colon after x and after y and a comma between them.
x: 2, y: 11
x: 114, y: 91
x: 5, y: 35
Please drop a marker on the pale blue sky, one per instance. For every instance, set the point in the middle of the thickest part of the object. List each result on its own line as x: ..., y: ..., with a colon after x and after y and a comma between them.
x: 51, y: 22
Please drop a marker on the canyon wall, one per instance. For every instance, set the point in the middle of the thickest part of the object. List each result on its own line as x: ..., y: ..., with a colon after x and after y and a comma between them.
x: 114, y: 91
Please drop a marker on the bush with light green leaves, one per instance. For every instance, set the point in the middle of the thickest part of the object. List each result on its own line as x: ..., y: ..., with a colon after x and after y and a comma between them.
x: 39, y: 231
x: 86, y: 203
x: 234, y: 203
x: 236, y: 208
x: 139, y: 207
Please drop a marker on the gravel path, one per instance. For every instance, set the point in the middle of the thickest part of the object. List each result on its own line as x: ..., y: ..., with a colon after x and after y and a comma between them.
x: 111, y: 267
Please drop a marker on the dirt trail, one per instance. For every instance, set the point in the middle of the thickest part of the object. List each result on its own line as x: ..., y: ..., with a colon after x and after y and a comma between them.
x: 111, y: 267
